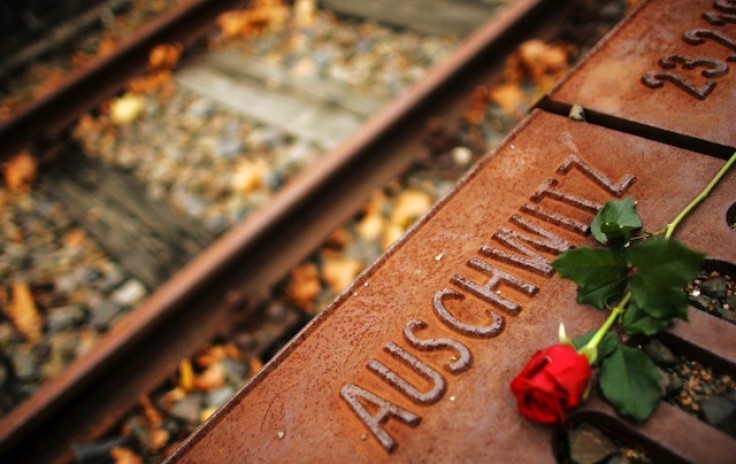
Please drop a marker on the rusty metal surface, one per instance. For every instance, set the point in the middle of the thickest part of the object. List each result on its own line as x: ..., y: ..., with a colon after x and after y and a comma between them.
x: 45, y: 119
x: 666, y: 67
x: 193, y: 307
x: 362, y: 383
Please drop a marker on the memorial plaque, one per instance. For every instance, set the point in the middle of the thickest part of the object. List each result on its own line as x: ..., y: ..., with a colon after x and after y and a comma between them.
x: 670, y: 65
x: 413, y: 362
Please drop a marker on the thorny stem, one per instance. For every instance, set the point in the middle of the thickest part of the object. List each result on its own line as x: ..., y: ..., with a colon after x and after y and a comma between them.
x: 670, y: 229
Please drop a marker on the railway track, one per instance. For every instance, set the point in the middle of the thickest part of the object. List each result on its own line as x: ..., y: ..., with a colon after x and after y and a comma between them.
x: 350, y: 405
x: 230, y: 280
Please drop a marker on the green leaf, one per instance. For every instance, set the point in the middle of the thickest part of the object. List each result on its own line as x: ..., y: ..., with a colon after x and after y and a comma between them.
x: 615, y: 221
x: 637, y: 321
x: 601, y: 274
x: 629, y: 380
x: 662, y: 268
x: 607, y: 345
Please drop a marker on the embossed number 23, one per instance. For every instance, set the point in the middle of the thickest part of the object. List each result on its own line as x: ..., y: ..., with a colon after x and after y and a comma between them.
x: 715, y: 68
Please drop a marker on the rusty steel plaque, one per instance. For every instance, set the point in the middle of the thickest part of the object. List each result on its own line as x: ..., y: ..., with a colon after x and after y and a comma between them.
x: 670, y: 65
x: 413, y: 362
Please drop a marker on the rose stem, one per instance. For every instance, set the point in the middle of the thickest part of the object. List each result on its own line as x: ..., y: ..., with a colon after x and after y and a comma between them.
x: 593, y: 342
x: 670, y: 229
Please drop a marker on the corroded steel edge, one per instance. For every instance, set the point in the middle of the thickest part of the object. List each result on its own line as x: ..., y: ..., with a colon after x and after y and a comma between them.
x: 201, y: 274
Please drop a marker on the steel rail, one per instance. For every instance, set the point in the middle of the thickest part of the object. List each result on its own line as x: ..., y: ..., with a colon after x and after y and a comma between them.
x: 45, y: 119
x: 233, y: 275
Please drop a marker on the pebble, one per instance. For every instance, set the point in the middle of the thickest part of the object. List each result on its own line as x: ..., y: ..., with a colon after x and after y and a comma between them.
x: 660, y: 354
x: 187, y: 409
x: 462, y: 156
x: 720, y: 412
x: 219, y: 396
x: 130, y: 293
x: 102, y: 314
x: 714, y: 287
x: 126, y: 109
x: 64, y: 317
x: 588, y: 445
x: 702, y: 301
x: 24, y: 363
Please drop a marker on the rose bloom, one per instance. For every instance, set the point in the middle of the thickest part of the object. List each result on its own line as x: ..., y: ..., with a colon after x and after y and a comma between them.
x: 553, y: 381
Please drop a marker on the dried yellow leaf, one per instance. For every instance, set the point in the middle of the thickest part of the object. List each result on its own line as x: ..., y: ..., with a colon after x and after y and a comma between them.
x: 255, y: 365
x: 20, y: 172
x: 125, y: 456
x: 186, y: 375
x: 164, y: 56
x: 23, y: 313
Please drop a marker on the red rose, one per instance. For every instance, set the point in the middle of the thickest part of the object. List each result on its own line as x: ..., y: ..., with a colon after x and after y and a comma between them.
x: 552, y: 382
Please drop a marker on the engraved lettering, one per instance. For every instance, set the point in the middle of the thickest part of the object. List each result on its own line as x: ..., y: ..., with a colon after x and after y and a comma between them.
x: 531, y: 260
x: 725, y: 5
x: 487, y: 292
x: 656, y: 79
x: 547, y: 190
x: 556, y: 219
x: 551, y: 242
x: 719, y: 19
x: 438, y: 383
x: 596, y: 176
x: 489, y: 331
x: 698, y: 36
x: 465, y: 358
x: 352, y: 394
x: 715, y: 68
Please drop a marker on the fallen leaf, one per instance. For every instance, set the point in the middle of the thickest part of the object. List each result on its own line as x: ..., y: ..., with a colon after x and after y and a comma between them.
x: 248, y: 176
x: 214, y: 354
x: 476, y: 112
x: 156, y: 81
x: 206, y: 413
x: 164, y: 56
x: 152, y: 415
x: 107, y: 46
x: 23, y: 313
x: 255, y: 365
x: 125, y: 456
x: 213, y: 377
x: 186, y: 375
x: 304, y: 286
x: 172, y: 396
x: 305, y: 12
x: 340, y: 272
x: 54, y: 78
x: 75, y: 238
x: 410, y: 205
x: 158, y: 438
x: 371, y: 226
x: 391, y: 234
x: 540, y: 59
x: 20, y: 172
x: 509, y: 97
x: 265, y: 15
